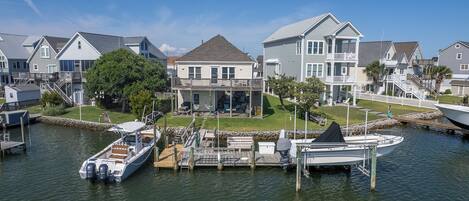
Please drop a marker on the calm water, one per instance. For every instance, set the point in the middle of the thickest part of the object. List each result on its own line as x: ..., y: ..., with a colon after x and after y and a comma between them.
x: 427, y: 166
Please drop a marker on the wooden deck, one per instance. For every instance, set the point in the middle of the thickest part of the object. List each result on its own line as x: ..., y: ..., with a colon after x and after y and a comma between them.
x: 7, y: 146
x: 166, y: 157
x: 448, y: 127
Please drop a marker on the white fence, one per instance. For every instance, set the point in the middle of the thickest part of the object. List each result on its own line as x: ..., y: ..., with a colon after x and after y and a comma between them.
x: 398, y: 100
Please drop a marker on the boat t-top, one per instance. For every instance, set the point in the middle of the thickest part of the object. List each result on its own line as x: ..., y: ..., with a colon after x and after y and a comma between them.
x: 124, y: 156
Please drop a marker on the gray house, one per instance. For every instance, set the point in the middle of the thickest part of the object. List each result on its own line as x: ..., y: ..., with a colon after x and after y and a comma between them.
x: 321, y: 47
x: 42, y: 63
x: 14, y: 53
x: 456, y: 57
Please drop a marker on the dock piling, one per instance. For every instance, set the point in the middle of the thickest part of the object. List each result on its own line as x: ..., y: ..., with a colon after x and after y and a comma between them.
x: 253, y: 157
x: 373, y: 168
x: 175, y: 157
x: 191, y: 159
x: 22, y: 128
x: 298, y: 169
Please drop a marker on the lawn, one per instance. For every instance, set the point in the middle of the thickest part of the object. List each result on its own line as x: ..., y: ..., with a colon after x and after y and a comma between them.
x: 396, y: 109
x: 275, y: 118
x: 448, y: 99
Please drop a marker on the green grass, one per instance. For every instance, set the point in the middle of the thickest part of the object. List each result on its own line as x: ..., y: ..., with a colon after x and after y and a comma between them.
x: 92, y: 113
x: 396, y: 109
x: 449, y: 99
x: 275, y: 118
x: 36, y: 109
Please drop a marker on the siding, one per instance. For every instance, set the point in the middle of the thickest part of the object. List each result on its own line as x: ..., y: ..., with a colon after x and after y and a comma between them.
x: 42, y: 63
x: 242, y: 71
x: 87, y: 52
x: 448, y: 58
x: 285, y: 52
x: 347, y: 31
x: 319, y: 33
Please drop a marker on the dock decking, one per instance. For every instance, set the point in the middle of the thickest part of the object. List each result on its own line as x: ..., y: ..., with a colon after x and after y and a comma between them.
x: 166, y: 158
x: 7, y: 146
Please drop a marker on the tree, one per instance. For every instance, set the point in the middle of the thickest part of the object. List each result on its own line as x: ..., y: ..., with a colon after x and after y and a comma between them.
x: 282, y: 86
x: 119, y: 74
x: 307, y: 93
x: 440, y: 73
x: 51, y: 99
x: 376, y: 71
x: 139, y: 100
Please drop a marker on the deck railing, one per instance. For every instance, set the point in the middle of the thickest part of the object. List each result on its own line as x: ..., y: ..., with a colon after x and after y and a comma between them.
x: 217, y: 83
x: 342, y: 56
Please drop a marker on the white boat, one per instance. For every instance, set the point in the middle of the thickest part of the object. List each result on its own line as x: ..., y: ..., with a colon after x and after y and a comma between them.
x: 124, y: 156
x: 334, y: 149
x: 457, y: 114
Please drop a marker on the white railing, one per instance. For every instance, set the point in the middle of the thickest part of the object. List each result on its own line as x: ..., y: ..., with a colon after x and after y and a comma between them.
x: 342, y: 56
x: 388, y: 62
x: 340, y: 79
x: 401, y: 82
x: 398, y: 100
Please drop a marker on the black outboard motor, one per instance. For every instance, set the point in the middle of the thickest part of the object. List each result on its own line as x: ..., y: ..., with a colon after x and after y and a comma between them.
x: 91, y: 171
x: 283, y: 147
x: 103, y: 172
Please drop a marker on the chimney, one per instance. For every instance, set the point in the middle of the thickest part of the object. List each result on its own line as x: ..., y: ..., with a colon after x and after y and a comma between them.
x: 202, y: 42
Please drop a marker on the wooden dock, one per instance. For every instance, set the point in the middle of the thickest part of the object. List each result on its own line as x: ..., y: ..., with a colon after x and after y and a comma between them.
x: 166, y: 158
x: 430, y: 124
x: 231, y: 158
x: 9, y: 146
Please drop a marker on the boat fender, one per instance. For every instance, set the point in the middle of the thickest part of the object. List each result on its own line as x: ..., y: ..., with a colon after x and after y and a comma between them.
x: 91, y: 171
x: 103, y: 172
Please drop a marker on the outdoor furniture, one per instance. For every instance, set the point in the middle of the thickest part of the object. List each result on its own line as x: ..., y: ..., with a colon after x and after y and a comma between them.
x: 240, y: 142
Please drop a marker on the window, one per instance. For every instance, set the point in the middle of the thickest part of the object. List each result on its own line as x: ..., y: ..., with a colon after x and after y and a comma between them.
x: 35, y: 67
x: 329, y: 46
x: 401, y: 71
x: 11, y: 95
x: 196, y: 98
x: 67, y: 65
x: 464, y: 67
x: 298, y: 47
x: 16, y: 64
x: 144, y: 46
x: 86, y: 64
x: 315, y: 47
x: 277, y: 69
x: 457, y: 46
x: 45, y: 53
x: 195, y: 73
x: 314, y: 70
x: 51, y: 68
x: 79, y: 45
x: 228, y: 73
x: 2, y: 62
x: 344, y: 70
x: 25, y: 65
x: 388, y: 56
x: 459, y: 56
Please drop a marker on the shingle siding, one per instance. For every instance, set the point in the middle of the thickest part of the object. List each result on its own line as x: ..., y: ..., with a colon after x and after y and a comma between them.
x: 42, y: 63
x: 447, y: 57
x: 285, y: 52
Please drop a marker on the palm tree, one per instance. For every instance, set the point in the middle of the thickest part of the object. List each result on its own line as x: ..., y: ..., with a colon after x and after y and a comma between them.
x: 376, y: 71
x: 440, y: 73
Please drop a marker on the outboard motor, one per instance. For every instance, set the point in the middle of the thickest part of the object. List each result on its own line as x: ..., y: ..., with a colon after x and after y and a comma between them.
x: 283, y: 147
x: 103, y: 172
x: 91, y: 171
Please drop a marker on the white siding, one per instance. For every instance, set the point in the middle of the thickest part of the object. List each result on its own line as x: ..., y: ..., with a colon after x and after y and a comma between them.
x: 87, y: 52
x: 242, y: 71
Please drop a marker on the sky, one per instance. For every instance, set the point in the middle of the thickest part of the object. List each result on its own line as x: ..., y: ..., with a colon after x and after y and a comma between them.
x: 177, y: 26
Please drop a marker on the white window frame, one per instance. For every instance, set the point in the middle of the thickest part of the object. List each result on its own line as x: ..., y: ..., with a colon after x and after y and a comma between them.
x: 312, y: 47
x: 79, y: 45
x: 464, y: 69
x: 3, y: 62
x: 49, y: 66
x: 388, y: 56
x: 35, y: 67
x: 313, y: 69
x: 45, y: 52
x: 298, y: 47
x: 194, y: 69
x: 342, y: 71
x: 458, y: 57
x: 457, y: 46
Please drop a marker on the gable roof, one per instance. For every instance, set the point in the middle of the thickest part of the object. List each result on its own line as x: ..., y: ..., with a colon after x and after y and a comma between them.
x: 57, y: 43
x: 343, y: 25
x: 26, y: 87
x: 216, y: 49
x: 464, y: 43
x: 406, y: 48
x: 372, y: 51
x: 12, y: 46
x: 298, y: 28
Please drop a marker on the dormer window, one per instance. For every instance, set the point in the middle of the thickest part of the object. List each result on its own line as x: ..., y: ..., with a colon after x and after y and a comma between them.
x: 79, y: 45
x: 45, y: 53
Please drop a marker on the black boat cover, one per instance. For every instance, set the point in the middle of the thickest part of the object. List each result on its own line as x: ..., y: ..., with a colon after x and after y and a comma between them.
x: 332, y: 134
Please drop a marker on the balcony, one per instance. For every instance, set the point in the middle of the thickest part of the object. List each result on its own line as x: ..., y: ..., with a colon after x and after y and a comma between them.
x: 214, y: 84
x: 341, y: 79
x: 388, y: 63
x: 342, y: 57
x: 72, y: 76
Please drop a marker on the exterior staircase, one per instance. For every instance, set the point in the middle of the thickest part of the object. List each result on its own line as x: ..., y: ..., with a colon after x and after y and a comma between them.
x: 54, y: 87
x: 419, y: 82
x: 407, y: 87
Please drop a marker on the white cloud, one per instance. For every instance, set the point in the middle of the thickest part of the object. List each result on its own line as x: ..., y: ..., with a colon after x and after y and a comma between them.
x: 172, y: 51
x: 33, y: 7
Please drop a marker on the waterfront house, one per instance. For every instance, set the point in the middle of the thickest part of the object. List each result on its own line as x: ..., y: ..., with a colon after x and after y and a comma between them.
x: 43, y: 64
x: 321, y: 47
x: 80, y: 52
x: 217, y: 76
x: 456, y: 57
x: 14, y: 53
x: 22, y: 94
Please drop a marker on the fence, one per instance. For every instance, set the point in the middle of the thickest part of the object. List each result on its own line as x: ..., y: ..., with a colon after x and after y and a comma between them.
x: 398, y: 100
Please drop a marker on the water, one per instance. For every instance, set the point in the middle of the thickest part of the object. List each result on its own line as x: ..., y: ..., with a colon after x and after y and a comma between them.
x: 427, y: 166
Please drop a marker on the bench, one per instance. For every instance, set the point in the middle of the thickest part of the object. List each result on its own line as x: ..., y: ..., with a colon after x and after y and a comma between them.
x: 119, y: 152
x: 240, y: 142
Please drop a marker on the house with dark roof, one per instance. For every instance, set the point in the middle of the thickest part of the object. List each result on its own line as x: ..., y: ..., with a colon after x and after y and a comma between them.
x: 43, y: 64
x: 217, y: 76
x: 456, y: 57
x: 80, y: 52
x: 14, y: 53
x: 322, y: 47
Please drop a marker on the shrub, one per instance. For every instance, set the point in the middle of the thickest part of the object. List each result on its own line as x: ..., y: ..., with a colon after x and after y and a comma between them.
x: 163, y: 105
x: 447, y: 91
x: 138, y: 102
x: 52, y: 99
x: 54, y: 110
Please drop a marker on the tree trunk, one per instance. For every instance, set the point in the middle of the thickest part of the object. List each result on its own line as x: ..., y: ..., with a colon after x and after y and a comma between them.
x: 281, y: 101
x: 124, y: 105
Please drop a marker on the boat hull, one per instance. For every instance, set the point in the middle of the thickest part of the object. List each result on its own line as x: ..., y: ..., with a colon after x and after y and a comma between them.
x: 132, y: 167
x: 458, y: 115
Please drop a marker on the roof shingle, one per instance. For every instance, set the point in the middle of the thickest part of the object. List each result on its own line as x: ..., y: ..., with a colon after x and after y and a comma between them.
x: 372, y: 51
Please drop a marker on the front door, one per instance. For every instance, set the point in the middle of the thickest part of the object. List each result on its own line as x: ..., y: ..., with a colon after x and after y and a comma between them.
x: 214, y: 75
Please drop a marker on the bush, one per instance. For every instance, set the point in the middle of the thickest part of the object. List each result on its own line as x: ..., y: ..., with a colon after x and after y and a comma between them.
x: 447, y: 91
x: 138, y: 102
x: 163, y: 105
x: 54, y: 110
x: 51, y: 99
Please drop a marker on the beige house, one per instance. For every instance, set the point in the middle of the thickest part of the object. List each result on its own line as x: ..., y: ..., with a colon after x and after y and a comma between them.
x: 217, y: 76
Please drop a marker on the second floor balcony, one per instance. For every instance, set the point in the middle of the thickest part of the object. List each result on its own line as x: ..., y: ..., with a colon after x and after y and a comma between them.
x: 349, y: 57
x: 340, y: 79
x: 217, y: 84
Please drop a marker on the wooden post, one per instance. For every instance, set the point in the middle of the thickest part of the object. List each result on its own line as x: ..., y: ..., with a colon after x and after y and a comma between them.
x: 175, y: 157
x: 22, y: 128
x: 156, y: 152
x: 253, y: 157
x: 191, y: 159
x: 373, y: 168
x: 166, y: 140
x: 298, y: 170
x: 231, y: 98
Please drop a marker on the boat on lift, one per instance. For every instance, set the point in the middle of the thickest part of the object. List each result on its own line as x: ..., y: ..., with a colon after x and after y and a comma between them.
x: 124, y: 156
x: 331, y: 148
x: 457, y: 114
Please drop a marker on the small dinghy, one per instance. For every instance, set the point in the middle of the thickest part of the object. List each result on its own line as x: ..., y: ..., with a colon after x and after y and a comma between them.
x: 331, y: 148
x: 124, y: 156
